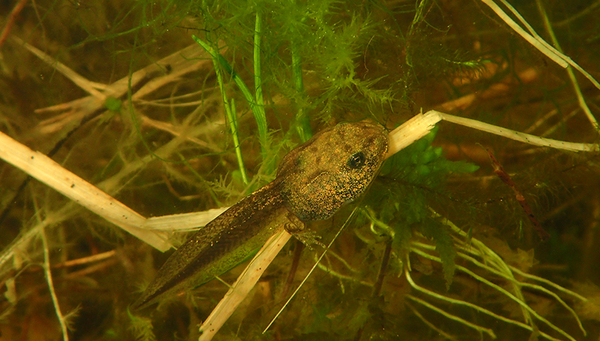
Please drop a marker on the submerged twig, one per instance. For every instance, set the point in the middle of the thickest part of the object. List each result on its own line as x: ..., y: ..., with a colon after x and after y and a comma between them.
x: 48, y: 273
x: 506, y: 178
x: 540, y: 44
x: 576, y: 88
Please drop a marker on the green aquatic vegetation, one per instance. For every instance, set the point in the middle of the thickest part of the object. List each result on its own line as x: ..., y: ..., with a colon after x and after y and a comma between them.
x: 401, y: 197
x: 436, y: 247
x: 142, y: 328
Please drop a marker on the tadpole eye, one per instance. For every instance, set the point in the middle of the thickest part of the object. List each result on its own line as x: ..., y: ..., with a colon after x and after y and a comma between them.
x: 357, y: 160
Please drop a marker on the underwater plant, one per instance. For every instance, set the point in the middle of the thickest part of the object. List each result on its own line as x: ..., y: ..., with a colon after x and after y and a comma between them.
x: 145, y: 117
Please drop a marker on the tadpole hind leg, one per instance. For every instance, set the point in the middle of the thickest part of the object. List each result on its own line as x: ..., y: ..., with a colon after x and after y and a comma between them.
x: 297, y: 228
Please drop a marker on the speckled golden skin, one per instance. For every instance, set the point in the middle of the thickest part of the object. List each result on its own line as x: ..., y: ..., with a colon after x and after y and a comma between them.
x: 313, y: 181
x: 332, y: 169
